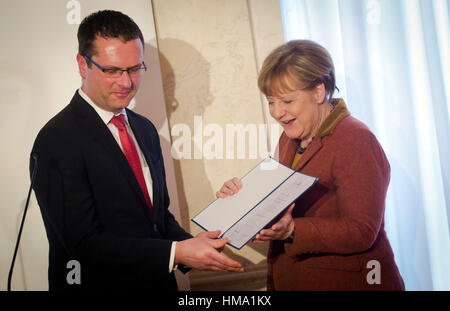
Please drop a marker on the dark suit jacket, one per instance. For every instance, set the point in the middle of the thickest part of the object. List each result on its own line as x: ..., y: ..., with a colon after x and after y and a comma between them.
x: 339, y: 222
x: 93, y: 208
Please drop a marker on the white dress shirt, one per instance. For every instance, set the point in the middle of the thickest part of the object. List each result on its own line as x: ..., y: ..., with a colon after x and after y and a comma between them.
x: 106, y: 116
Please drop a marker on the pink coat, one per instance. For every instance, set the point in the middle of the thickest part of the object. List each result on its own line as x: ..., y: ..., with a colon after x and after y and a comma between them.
x: 340, y: 242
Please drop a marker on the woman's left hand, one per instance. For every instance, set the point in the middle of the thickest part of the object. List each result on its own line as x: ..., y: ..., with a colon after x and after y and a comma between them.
x: 280, y: 230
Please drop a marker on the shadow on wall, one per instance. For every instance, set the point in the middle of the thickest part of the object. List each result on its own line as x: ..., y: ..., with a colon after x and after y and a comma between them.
x: 191, y: 82
x: 187, y: 94
x: 147, y: 101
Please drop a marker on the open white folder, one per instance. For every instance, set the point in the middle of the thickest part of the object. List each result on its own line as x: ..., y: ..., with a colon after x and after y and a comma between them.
x: 267, y: 190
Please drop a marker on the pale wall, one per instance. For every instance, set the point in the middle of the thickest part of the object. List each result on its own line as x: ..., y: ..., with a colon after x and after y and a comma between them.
x: 210, y: 53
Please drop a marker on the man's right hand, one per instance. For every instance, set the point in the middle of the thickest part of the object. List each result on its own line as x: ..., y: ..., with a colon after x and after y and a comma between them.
x: 203, y: 252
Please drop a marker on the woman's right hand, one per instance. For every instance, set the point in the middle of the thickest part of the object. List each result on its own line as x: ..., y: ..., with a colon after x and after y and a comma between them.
x: 229, y: 188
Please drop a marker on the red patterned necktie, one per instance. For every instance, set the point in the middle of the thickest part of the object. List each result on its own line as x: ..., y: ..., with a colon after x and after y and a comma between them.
x: 129, y: 149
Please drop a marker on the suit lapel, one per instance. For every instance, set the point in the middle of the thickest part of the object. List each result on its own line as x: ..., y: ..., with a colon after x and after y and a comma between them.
x: 290, y: 148
x: 312, y: 149
x: 288, y: 153
x: 146, y: 148
x: 91, y: 123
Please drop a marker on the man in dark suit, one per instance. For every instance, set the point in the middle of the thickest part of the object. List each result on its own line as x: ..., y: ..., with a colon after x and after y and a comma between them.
x: 100, y: 180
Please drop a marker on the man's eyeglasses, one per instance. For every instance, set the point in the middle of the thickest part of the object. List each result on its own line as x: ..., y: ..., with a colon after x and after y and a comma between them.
x: 115, y: 72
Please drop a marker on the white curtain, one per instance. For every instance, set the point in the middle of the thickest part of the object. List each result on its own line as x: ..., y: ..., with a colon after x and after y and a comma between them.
x: 392, y: 60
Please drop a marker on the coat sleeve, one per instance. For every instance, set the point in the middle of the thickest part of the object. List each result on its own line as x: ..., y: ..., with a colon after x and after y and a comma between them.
x: 68, y: 208
x: 361, y: 174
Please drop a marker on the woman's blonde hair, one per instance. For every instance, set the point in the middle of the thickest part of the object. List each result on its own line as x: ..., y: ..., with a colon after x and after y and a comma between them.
x: 297, y: 65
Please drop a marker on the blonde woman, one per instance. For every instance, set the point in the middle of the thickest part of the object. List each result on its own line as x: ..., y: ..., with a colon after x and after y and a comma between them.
x: 333, y: 238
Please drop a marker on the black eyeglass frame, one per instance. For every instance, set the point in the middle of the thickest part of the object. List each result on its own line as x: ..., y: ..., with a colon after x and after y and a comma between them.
x: 128, y: 70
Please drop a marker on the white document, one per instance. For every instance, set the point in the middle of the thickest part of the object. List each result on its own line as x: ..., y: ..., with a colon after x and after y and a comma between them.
x: 267, y: 190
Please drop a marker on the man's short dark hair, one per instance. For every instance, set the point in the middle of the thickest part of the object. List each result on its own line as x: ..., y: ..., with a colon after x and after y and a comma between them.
x: 106, y: 24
